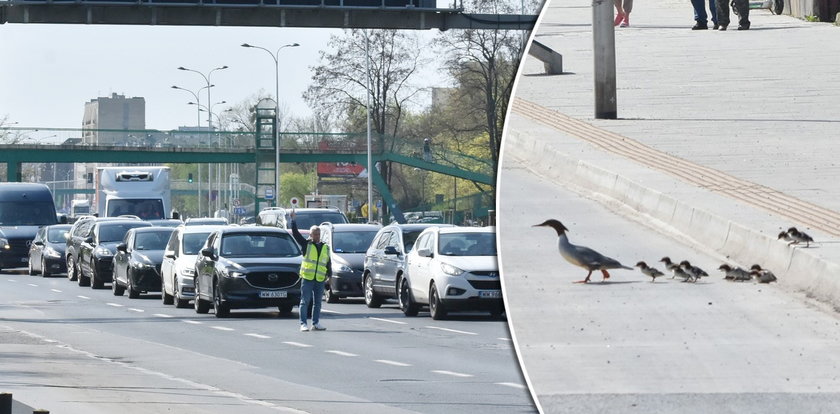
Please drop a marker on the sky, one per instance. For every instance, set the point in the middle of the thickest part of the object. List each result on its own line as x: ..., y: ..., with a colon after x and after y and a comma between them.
x: 48, y: 72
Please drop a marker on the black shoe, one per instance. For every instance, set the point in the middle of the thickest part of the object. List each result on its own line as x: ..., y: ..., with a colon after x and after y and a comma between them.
x: 716, y: 26
x: 700, y: 26
x: 743, y: 27
x: 722, y: 28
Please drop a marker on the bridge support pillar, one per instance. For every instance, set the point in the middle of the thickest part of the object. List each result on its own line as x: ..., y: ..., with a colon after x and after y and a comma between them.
x: 13, y: 172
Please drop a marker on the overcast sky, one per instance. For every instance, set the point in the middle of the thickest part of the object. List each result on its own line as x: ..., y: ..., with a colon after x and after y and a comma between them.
x: 48, y: 72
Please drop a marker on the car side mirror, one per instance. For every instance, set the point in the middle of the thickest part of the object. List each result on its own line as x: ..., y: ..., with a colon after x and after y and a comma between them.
x: 207, y: 252
x: 89, y: 240
x: 38, y: 243
x: 424, y: 252
x: 391, y: 250
x: 169, y: 255
x: 122, y: 247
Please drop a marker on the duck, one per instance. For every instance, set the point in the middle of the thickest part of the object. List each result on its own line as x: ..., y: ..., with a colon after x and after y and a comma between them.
x: 695, y: 272
x: 650, y: 271
x: 682, y: 274
x: 799, y: 237
x: 762, y: 275
x: 580, y: 255
x: 669, y: 265
x: 786, y: 237
x: 734, y: 274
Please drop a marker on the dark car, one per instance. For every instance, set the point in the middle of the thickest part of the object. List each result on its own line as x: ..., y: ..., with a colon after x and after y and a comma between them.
x: 138, y: 259
x: 77, y: 235
x: 96, y: 253
x: 246, y: 268
x: 348, y: 244
x: 24, y: 208
x: 385, y: 260
x: 305, y: 218
x: 46, y: 255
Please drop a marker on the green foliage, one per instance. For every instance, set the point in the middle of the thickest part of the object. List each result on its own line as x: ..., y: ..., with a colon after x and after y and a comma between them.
x: 295, y: 184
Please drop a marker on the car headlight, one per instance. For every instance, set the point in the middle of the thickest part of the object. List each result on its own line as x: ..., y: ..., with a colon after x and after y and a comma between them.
x: 188, y: 271
x: 141, y: 265
x: 49, y: 251
x: 236, y: 275
x: 4, y: 244
x: 103, y: 251
x: 450, y: 270
x: 345, y: 269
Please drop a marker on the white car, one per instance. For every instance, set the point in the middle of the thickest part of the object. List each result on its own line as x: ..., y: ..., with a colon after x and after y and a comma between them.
x: 452, y: 269
x: 177, y: 272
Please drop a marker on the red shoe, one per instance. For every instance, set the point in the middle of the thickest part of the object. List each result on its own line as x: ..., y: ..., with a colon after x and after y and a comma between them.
x: 626, y: 21
x: 618, y: 19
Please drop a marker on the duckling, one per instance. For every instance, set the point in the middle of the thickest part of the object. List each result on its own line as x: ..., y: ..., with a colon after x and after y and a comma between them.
x: 799, y: 237
x: 695, y: 272
x: 762, y: 275
x: 650, y: 271
x: 786, y: 237
x: 582, y: 256
x: 735, y: 274
x: 669, y: 265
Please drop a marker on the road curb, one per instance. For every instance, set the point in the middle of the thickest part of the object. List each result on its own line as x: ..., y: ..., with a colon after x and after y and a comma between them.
x: 796, y: 267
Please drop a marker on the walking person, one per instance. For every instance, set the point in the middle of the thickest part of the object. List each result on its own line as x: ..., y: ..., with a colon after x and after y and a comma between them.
x: 622, y: 12
x: 314, y: 270
x: 427, y: 150
x: 742, y: 9
x: 701, y: 19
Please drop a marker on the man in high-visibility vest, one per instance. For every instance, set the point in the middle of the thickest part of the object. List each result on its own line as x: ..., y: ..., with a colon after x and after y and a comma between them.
x: 314, y: 270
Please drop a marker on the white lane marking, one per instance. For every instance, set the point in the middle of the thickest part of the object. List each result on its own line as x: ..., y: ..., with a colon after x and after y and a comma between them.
x: 257, y: 336
x: 451, y: 330
x: 512, y: 384
x: 342, y: 353
x: 388, y: 320
x: 504, y: 339
x: 116, y: 305
x: 12, y: 280
x: 394, y: 363
x: 32, y: 284
x: 83, y: 297
x: 193, y: 322
x: 454, y: 374
x: 222, y: 328
x: 56, y: 290
x: 332, y: 311
x: 163, y: 315
x: 136, y: 310
x: 298, y: 344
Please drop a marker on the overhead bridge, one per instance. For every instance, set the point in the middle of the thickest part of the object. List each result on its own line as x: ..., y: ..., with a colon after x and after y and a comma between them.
x: 341, y: 14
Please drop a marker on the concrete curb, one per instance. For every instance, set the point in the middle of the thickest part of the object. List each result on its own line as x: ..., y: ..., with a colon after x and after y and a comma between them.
x: 797, y: 268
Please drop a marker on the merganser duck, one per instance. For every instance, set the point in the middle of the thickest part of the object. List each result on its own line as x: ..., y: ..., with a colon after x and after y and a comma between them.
x: 682, y: 274
x: 799, y: 237
x: 735, y: 274
x: 650, y: 271
x: 582, y: 256
x: 695, y: 272
x: 669, y: 265
x: 784, y: 235
x: 762, y: 275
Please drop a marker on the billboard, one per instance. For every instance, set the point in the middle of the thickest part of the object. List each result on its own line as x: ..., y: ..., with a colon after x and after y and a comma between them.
x: 337, y: 169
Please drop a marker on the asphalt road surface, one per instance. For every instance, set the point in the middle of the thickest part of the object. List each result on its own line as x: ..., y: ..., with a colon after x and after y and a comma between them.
x: 629, y: 345
x: 71, y: 349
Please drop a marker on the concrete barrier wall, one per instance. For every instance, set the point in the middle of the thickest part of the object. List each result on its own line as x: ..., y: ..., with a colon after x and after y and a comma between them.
x: 797, y: 268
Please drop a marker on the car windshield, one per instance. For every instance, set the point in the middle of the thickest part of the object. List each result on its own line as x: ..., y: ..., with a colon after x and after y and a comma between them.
x: 28, y: 213
x: 153, y: 240
x: 467, y: 244
x: 259, y: 245
x: 409, y: 237
x: 352, y: 241
x: 57, y: 235
x: 146, y: 209
x: 116, y: 231
x: 193, y: 242
x: 307, y: 220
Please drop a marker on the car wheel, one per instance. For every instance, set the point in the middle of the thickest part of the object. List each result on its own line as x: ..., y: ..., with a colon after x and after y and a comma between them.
x: 435, y: 306
x: 44, y: 271
x: 372, y: 300
x: 132, y: 292
x: 285, y: 310
x: 117, y: 288
x: 201, y: 305
x: 407, y: 304
x: 329, y: 296
x: 71, y: 269
x: 29, y: 269
x: 497, y: 311
x: 167, y: 298
x: 95, y: 282
x: 179, y: 301
x: 222, y: 309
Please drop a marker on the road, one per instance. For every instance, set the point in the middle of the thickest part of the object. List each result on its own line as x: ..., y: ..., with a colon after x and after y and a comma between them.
x: 72, y: 349
x: 630, y: 345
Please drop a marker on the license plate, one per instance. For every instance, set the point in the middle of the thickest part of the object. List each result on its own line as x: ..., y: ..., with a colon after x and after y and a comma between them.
x: 274, y: 294
x: 490, y: 294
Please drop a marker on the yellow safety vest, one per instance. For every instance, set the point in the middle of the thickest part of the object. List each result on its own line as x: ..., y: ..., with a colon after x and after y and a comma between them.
x: 314, y: 265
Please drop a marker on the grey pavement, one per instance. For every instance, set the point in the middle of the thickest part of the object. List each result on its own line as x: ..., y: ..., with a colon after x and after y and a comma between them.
x: 723, y: 140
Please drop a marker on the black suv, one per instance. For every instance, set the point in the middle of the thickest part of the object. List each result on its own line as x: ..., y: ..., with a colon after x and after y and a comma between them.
x: 95, y: 255
x: 246, y: 268
x: 385, y: 260
x: 76, y: 237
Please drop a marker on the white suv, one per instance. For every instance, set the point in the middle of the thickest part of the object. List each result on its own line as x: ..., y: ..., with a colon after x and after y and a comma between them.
x: 452, y: 269
x: 177, y: 272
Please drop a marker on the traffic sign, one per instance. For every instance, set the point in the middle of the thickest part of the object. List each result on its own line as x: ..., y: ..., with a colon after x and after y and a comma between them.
x: 294, y: 201
x: 269, y: 194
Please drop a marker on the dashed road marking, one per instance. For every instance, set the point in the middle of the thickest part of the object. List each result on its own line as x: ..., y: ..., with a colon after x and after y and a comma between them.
x: 394, y: 363
x: 257, y: 336
x: 222, y: 328
x: 454, y: 374
x: 332, y: 311
x: 12, y: 280
x: 512, y: 385
x: 451, y: 330
x: 163, y: 315
x: 56, y: 290
x: 342, y: 353
x: 193, y: 322
x: 298, y: 344
x: 504, y: 339
x: 32, y: 284
x: 83, y: 297
x: 136, y: 310
x: 116, y: 305
x: 388, y: 320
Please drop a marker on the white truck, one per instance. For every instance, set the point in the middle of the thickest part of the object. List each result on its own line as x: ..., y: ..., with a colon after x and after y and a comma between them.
x: 79, y: 207
x: 139, y: 191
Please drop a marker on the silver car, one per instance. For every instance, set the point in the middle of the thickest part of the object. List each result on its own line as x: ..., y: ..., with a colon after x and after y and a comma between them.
x: 177, y: 272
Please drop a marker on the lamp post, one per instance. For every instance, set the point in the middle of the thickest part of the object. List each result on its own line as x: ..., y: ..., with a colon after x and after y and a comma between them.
x: 276, y: 58
x: 198, y: 128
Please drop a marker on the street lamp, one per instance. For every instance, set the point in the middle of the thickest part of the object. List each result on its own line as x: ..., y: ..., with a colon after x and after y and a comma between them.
x: 198, y: 128
x: 276, y: 58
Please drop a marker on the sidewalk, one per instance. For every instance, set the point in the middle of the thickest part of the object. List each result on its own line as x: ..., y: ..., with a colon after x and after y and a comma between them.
x: 725, y: 137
